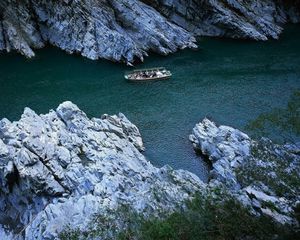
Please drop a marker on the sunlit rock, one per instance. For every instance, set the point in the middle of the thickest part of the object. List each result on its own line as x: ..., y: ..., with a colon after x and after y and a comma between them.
x: 59, y: 169
x: 260, y: 174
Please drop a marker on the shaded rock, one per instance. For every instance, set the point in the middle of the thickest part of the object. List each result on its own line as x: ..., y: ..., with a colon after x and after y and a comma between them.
x: 259, y: 20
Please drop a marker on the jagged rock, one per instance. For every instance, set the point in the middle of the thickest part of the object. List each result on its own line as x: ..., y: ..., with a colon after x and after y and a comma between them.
x: 61, y: 168
x: 259, y: 20
x: 225, y: 147
x: 125, y: 30
x: 262, y: 175
x: 115, y: 30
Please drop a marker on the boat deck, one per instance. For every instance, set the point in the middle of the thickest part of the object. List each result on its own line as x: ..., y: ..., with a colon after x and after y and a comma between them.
x: 148, y: 74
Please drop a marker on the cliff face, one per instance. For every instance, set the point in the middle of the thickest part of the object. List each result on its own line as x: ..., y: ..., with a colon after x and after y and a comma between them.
x: 258, y: 19
x: 61, y: 168
x: 114, y: 30
x: 125, y: 30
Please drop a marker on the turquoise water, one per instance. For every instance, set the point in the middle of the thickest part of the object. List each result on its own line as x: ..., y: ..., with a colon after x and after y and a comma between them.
x: 230, y: 81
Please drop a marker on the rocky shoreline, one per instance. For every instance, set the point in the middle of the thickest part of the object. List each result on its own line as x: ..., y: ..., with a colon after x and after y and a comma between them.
x: 59, y: 169
x: 125, y: 31
x: 260, y: 174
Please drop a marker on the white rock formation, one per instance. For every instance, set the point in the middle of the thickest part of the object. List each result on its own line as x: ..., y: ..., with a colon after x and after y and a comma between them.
x: 225, y: 147
x: 125, y: 30
x: 230, y: 151
x: 116, y: 30
x: 257, y: 19
x: 61, y: 168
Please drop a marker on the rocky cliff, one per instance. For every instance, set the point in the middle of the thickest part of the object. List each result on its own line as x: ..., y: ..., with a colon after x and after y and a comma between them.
x: 61, y: 168
x: 126, y: 30
x: 260, y: 174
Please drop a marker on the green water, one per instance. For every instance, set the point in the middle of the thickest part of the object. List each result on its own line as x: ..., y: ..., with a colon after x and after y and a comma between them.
x: 230, y: 81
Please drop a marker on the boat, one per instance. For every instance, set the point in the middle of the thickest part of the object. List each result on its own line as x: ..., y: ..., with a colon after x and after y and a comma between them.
x: 148, y: 74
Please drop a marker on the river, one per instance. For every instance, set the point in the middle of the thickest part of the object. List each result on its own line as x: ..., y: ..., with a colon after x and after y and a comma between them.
x: 229, y: 81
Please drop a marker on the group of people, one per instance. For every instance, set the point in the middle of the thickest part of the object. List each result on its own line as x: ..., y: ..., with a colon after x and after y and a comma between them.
x: 147, y: 74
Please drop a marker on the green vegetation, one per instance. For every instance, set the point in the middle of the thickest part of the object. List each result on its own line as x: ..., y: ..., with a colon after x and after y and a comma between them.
x: 270, y: 205
x: 211, y: 216
x: 71, y: 234
x: 279, y: 124
x: 208, y: 218
x: 276, y: 169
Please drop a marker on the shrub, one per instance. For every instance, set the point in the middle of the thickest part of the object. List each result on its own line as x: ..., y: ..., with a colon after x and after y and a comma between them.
x: 208, y: 218
x: 213, y: 216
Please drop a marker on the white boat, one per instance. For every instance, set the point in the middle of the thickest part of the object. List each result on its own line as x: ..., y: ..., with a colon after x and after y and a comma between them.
x: 148, y: 74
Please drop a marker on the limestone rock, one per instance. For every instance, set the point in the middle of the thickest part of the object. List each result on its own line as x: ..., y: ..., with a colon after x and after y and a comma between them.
x: 258, y: 20
x: 116, y: 30
x: 126, y: 30
x: 61, y: 168
x: 260, y: 174
x: 225, y: 147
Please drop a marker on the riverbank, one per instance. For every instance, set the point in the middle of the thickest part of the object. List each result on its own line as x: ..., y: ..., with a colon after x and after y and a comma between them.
x: 64, y: 174
x: 61, y: 168
x: 127, y: 30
